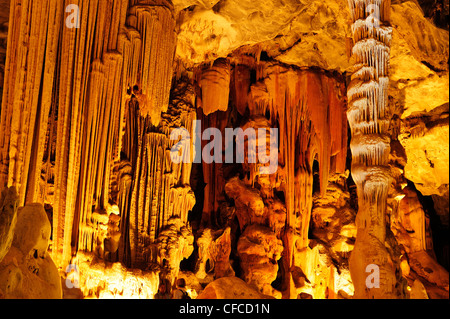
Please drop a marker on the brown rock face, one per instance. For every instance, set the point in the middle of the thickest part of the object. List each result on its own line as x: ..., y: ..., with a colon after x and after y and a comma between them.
x: 215, y: 85
x: 214, y: 249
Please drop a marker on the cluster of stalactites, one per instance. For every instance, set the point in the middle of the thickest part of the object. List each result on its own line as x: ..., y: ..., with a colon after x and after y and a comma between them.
x: 80, y: 76
x: 214, y: 81
x: 149, y: 41
x: 368, y: 112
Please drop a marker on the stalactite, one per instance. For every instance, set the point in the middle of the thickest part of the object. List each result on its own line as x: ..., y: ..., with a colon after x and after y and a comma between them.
x: 29, y: 72
x: 85, y: 130
x: 98, y: 138
x: 82, y: 76
x: 46, y: 188
x: 301, y: 110
x: 153, y: 68
x: 241, y: 80
x: 73, y: 76
x: 124, y: 177
x: 215, y: 86
x: 144, y: 63
x: 159, y: 189
x: 212, y: 172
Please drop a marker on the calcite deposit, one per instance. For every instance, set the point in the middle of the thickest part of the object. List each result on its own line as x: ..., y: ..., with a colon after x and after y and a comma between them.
x: 8, y: 219
x: 333, y: 183
x: 28, y: 271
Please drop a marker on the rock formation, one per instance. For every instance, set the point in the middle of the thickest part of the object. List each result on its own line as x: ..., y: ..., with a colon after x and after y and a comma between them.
x: 8, y: 219
x: 28, y: 271
x: 101, y: 279
x: 346, y: 170
x: 214, y: 250
x: 230, y: 288
x: 369, y: 119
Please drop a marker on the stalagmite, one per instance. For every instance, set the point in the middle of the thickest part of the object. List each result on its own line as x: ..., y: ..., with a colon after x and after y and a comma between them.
x: 85, y: 87
x: 116, y: 280
x: 174, y: 243
x: 311, y: 127
x: 153, y: 71
x: 368, y: 118
x: 8, y: 219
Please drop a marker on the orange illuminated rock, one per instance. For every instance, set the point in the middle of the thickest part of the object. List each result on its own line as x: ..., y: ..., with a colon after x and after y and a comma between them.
x: 85, y: 122
x: 214, y: 249
x: 369, y: 119
x: 231, y: 288
x: 105, y: 280
x: 28, y: 271
x: 8, y: 219
x: 259, y: 251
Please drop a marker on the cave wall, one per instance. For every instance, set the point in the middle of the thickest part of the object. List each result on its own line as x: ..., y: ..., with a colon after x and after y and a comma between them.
x: 87, y: 114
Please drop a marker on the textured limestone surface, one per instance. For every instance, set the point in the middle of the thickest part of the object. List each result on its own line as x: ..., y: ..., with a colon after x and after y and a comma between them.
x: 87, y: 124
